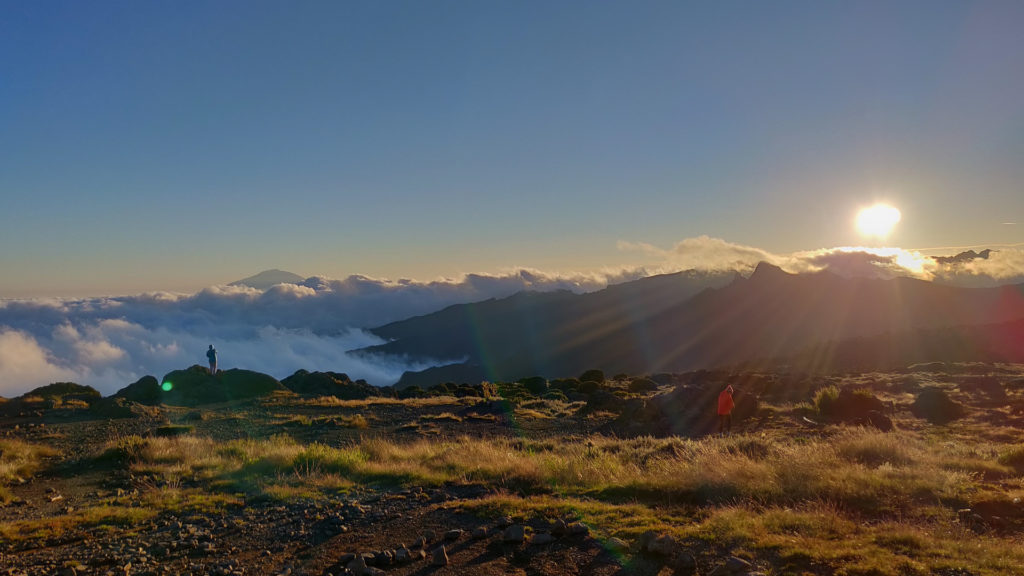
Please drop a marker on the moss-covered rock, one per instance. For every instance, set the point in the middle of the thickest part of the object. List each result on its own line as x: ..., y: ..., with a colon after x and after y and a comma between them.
x: 195, y: 386
x: 334, y: 384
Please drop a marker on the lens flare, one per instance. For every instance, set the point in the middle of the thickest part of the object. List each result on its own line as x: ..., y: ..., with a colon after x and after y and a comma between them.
x: 167, y: 386
x: 878, y: 220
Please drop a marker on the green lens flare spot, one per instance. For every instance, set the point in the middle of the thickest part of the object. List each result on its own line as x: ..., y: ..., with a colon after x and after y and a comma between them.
x: 167, y: 386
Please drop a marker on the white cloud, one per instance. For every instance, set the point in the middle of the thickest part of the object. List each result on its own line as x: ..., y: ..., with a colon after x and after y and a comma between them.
x: 24, y: 364
x: 111, y: 342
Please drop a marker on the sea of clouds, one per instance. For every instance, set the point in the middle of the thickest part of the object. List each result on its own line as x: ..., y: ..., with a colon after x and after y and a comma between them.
x: 109, y: 343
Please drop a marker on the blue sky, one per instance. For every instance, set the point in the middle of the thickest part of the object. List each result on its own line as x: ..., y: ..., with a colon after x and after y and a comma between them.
x: 175, y: 145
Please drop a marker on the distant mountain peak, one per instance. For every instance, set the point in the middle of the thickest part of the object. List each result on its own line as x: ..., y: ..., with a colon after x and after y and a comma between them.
x: 963, y: 257
x: 766, y: 271
x: 268, y: 278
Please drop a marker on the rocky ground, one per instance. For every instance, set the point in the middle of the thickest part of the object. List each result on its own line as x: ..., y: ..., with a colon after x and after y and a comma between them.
x: 365, y: 529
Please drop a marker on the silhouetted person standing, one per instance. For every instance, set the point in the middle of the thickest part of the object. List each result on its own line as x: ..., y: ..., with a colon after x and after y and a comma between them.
x: 211, y: 355
x: 725, y: 406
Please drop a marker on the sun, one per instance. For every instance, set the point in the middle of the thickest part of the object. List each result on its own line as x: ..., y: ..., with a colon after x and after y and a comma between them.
x: 877, y: 221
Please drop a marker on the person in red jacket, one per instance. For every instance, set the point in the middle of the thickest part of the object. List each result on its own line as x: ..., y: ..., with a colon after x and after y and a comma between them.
x: 725, y: 406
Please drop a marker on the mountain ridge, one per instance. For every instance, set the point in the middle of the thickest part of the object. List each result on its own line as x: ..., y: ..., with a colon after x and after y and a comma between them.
x: 636, y: 328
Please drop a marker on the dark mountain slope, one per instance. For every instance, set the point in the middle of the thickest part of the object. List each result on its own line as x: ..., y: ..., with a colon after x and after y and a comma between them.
x: 648, y: 325
x: 529, y: 331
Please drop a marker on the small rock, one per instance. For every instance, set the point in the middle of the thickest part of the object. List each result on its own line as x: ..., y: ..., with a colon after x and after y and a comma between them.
x: 615, y: 544
x: 514, y: 534
x: 559, y: 527
x: 452, y: 535
x: 480, y: 532
x: 542, y: 538
x: 684, y: 563
x: 577, y: 529
x: 664, y: 545
x: 439, y: 557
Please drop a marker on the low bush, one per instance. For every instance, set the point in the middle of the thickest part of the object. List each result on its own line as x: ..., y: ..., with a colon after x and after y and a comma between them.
x: 642, y: 385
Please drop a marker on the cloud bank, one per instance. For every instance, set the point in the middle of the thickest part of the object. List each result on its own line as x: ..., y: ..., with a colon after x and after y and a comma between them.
x: 1002, y: 265
x: 110, y: 342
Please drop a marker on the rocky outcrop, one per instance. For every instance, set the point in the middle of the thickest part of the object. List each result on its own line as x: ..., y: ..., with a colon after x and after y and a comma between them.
x: 334, y: 384
x: 196, y: 386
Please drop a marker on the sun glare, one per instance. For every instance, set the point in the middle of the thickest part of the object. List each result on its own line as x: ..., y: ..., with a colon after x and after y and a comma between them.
x: 878, y: 220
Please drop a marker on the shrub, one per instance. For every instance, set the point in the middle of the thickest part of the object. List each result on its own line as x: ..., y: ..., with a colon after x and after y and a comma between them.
x: 566, y: 384
x: 555, y: 395
x: 411, y: 392
x: 537, y: 385
x: 592, y: 376
x: 1013, y: 457
x: 124, y: 448
x: 640, y: 385
x: 935, y: 406
x: 488, y: 389
x: 825, y: 400
x: 439, y: 390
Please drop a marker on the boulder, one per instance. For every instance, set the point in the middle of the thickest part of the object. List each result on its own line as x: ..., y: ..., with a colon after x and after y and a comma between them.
x: 662, y: 545
x: 329, y: 384
x: 514, y: 534
x: 439, y: 557
x: 616, y: 544
x: 64, y: 391
x: 196, y: 386
x: 935, y: 405
x: 542, y: 538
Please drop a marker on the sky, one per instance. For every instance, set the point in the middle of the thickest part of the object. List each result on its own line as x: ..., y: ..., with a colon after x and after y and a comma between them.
x: 406, y: 156
x: 172, y: 146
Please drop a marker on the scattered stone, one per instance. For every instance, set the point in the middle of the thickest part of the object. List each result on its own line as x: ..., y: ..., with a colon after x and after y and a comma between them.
x: 736, y: 564
x: 733, y: 566
x: 577, y: 529
x: 480, y: 533
x: 684, y: 563
x: 615, y: 544
x: 439, y: 557
x: 663, y: 545
x: 542, y: 538
x: 452, y: 535
x: 514, y: 534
